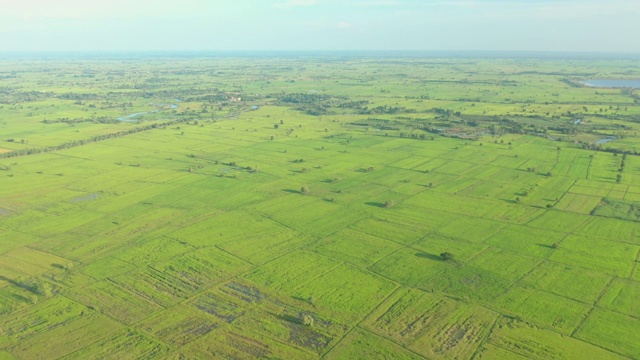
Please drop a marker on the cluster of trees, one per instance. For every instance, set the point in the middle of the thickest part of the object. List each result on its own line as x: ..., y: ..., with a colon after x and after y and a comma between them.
x: 621, y: 169
x: 386, y: 110
x: 321, y: 104
x: 67, y: 145
x: 97, y: 120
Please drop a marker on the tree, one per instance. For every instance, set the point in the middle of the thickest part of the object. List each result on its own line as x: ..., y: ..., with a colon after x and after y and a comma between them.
x: 304, y: 190
x: 389, y: 204
x: 445, y: 256
x: 308, y: 320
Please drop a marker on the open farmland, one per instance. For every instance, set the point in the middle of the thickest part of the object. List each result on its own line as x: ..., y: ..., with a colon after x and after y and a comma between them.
x: 299, y: 208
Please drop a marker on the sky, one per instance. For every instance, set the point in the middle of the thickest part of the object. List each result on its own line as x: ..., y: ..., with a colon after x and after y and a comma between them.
x: 298, y: 25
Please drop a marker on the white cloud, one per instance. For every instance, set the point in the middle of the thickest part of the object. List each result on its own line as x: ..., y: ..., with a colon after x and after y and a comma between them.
x: 343, y: 25
x: 295, y: 3
x: 378, y: 3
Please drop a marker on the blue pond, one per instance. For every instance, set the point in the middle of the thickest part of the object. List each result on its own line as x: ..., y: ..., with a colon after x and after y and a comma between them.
x: 611, y: 83
x: 132, y: 117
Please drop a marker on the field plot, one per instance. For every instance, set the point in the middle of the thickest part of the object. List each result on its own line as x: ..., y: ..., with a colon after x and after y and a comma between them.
x: 28, y: 261
x: 618, y: 209
x: 506, y: 264
x: 264, y: 247
x: 149, y: 249
x: 241, y: 345
x: 435, y: 244
x: 512, y: 213
x: 622, y: 296
x: 526, y: 240
x: 179, y: 325
x: 610, y: 229
x: 202, y: 268
x: 582, y: 204
x: 446, y: 202
x: 600, y: 255
x: 433, y: 326
x: 546, y: 309
x: 354, y: 247
x: 114, y: 301
x: 314, y: 218
x: 570, y: 282
x: 43, y: 317
x: 215, y: 229
x: 471, y: 229
x: 489, y: 351
x: 65, y: 339
x: 409, y: 267
x: 107, y: 267
x: 532, y: 342
x: 126, y: 344
x: 401, y: 230
x: 612, y: 331
x: 469, y: 283
x: 363, y: 344
x: 559, y: 221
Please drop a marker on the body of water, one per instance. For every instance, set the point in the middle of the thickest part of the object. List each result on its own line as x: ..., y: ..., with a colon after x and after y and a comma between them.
x: 610, y: 83
x: 604, y: 141
x: 132, y: 117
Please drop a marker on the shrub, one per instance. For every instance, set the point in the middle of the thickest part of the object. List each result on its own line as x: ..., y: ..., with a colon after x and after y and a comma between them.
x: 446, y: 256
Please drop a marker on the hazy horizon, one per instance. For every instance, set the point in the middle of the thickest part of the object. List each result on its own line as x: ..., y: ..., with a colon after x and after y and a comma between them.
x: 595, y: 26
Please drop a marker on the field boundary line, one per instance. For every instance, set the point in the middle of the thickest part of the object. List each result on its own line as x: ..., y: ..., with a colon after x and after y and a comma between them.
x: 486, y: 338
x: 369, y: 331
x: 593, y: 155
x: 635, y: 266
x: 392, y: 341
x: 102, y: 338
x: 366, y: 269
x: 505, y: 349
x: 235, y: 256
x: 595, y: 304
x: 97, y: 311
x: 226, y: 280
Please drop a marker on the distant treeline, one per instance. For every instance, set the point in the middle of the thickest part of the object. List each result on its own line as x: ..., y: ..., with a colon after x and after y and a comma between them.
x: 71, y: 144
x: 98, y: 120
x: 322, y: 104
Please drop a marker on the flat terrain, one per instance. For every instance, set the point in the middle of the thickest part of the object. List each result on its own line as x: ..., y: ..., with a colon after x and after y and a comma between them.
x: 297, y: 208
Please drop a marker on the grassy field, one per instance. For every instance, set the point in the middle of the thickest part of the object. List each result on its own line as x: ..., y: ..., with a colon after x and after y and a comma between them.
x: 298, y: 208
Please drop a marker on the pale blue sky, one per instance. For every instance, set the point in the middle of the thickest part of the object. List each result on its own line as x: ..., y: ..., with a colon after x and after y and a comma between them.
x: 533, y: 25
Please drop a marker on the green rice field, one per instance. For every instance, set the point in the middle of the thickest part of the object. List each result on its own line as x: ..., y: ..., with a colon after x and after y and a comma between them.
x: 308, y: 207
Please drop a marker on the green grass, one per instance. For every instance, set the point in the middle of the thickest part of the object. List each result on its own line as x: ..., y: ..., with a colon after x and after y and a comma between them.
x: 532, y: 342
x: 354, y: 247
x: 433, y: 326
x: 114, y: 301
x: 363, y: 344
x: 607, y: 256
x: 571, y: 282
x: 154, y: 244
x: 622, y: 296
x: 618, y: 209
x: 548, y: 310
x: 612, y: 331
